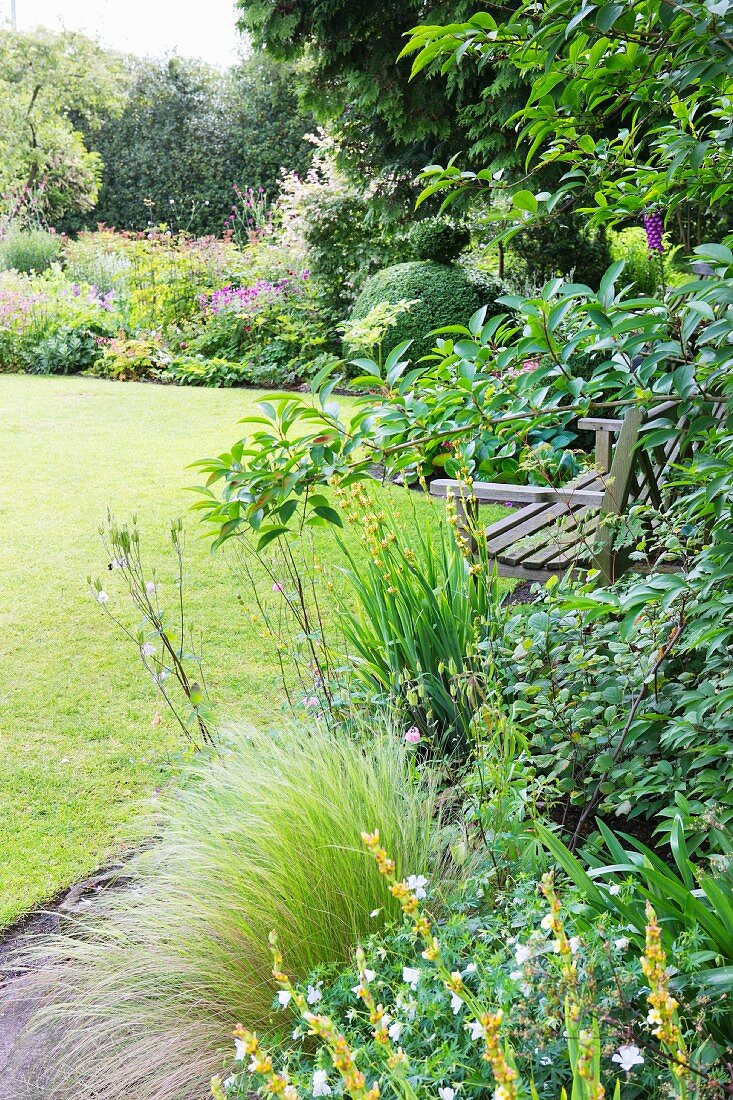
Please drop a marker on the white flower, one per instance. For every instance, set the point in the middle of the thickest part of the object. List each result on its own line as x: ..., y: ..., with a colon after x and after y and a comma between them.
x: 284, y: 997
x: 574, y: 942
x: 621, y: 943
x: 470, y: 969
x: 314, y: 993
x: 456, y: 1003
x: 446, y: 1093
x: 375, y: 912
x: 476, y: 1028
x: 150, y: 588
x: 546, y: 922
x: 417, y: 884
x: 239, y: 1050
x: 614, y: 889
x: 321, y: 1086
x: 102, y: 596
x: 147, y: 650
x: 411, y: 975
x: 628, y: 1056
x: 516, y: 975
x: 395, y: 1030
x: 522, y: 953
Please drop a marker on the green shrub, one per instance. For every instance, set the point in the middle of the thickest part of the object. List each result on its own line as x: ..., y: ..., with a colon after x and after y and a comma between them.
x: 439, y: 240
x: 29, y: 250
x: 67, y: 351
x: 97, y: 259
x: 131, y: 360
x: 265, y: 837
x: 443, y: 295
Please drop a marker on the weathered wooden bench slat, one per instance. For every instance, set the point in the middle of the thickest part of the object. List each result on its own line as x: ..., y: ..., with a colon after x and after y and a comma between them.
x: 562, y: 529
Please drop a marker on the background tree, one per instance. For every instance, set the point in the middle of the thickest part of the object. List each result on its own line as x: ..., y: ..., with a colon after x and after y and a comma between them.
x: 188, y: 134
x: 52, y: 85
x: 386, y: 127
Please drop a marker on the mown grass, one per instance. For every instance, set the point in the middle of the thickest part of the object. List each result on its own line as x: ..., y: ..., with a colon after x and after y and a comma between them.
x: 78, y: 747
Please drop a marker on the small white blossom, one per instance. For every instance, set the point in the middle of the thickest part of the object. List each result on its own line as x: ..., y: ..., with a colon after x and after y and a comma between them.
x: 284, y: 997
x: 395, y: 1030
x: 417, y: 884
x: 375, y: 912
x: 446, y: 1093
x: 522, y: 953
x: 321, y: 1086
x: 628, y: 1056
x: 574, y: 942
x: 614, y: 889
x: 546, y: 922
x: 314, y: 993
x: 516, y: 975
x: 621, y: 943
x: 476, y: 1029
x: 470, y: 969
x: 456, y: 1003
x: 369, y: 975
x: 150, y: 588
x: 239, y: 1051
x: 102, y: 596
x: 147, y: 649
x: 411, y: 975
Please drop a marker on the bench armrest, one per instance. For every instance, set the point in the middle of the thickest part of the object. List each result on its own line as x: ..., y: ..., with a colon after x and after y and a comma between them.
x: 486, y: 491
x: 600, y: 424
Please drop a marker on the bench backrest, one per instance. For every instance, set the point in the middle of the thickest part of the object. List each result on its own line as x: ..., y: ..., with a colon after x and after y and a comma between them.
x: 638, y: 474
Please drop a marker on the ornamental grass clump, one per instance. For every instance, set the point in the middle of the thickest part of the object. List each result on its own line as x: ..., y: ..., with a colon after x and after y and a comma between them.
x: 140, y: 996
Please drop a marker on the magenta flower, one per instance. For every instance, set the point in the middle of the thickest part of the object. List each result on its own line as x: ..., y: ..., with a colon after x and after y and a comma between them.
x: 412, y: 736
x: 277, y: 587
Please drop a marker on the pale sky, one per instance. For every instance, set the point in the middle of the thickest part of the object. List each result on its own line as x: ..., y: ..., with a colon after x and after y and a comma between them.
x: 145, y: 27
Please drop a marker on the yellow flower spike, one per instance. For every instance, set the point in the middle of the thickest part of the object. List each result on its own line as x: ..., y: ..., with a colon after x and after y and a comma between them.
x: 432, y: 951
x: 663, y: 1011
x: 217, y: 1089
x: 586, y: 1055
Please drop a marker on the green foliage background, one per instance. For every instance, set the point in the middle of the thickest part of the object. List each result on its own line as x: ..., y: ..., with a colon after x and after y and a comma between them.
x: 189, y: 133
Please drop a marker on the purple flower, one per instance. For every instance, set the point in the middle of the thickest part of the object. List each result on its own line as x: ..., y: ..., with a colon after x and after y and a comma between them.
x: 654, y: 227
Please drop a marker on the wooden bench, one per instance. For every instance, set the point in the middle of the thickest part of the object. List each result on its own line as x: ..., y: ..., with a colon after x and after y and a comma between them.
x: 565, y: 528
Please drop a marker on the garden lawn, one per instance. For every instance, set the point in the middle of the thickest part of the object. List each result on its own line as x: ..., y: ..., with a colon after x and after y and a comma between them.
x: 79, y: 752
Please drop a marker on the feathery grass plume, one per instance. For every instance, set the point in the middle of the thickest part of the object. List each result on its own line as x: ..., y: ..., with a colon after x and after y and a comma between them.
x: 139, y: 1000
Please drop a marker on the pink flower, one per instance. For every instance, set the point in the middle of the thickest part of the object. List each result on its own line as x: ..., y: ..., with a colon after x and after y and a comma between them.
x: 413, y: 736
x: 278, y: 587
x: 310, y: 701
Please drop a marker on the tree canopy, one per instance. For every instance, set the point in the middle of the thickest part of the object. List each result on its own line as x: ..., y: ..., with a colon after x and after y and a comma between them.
x: 386, y: 125
x: 52, y: 86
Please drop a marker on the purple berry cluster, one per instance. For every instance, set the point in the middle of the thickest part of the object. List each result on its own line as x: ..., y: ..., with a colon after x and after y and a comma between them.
x: 654, y: 226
